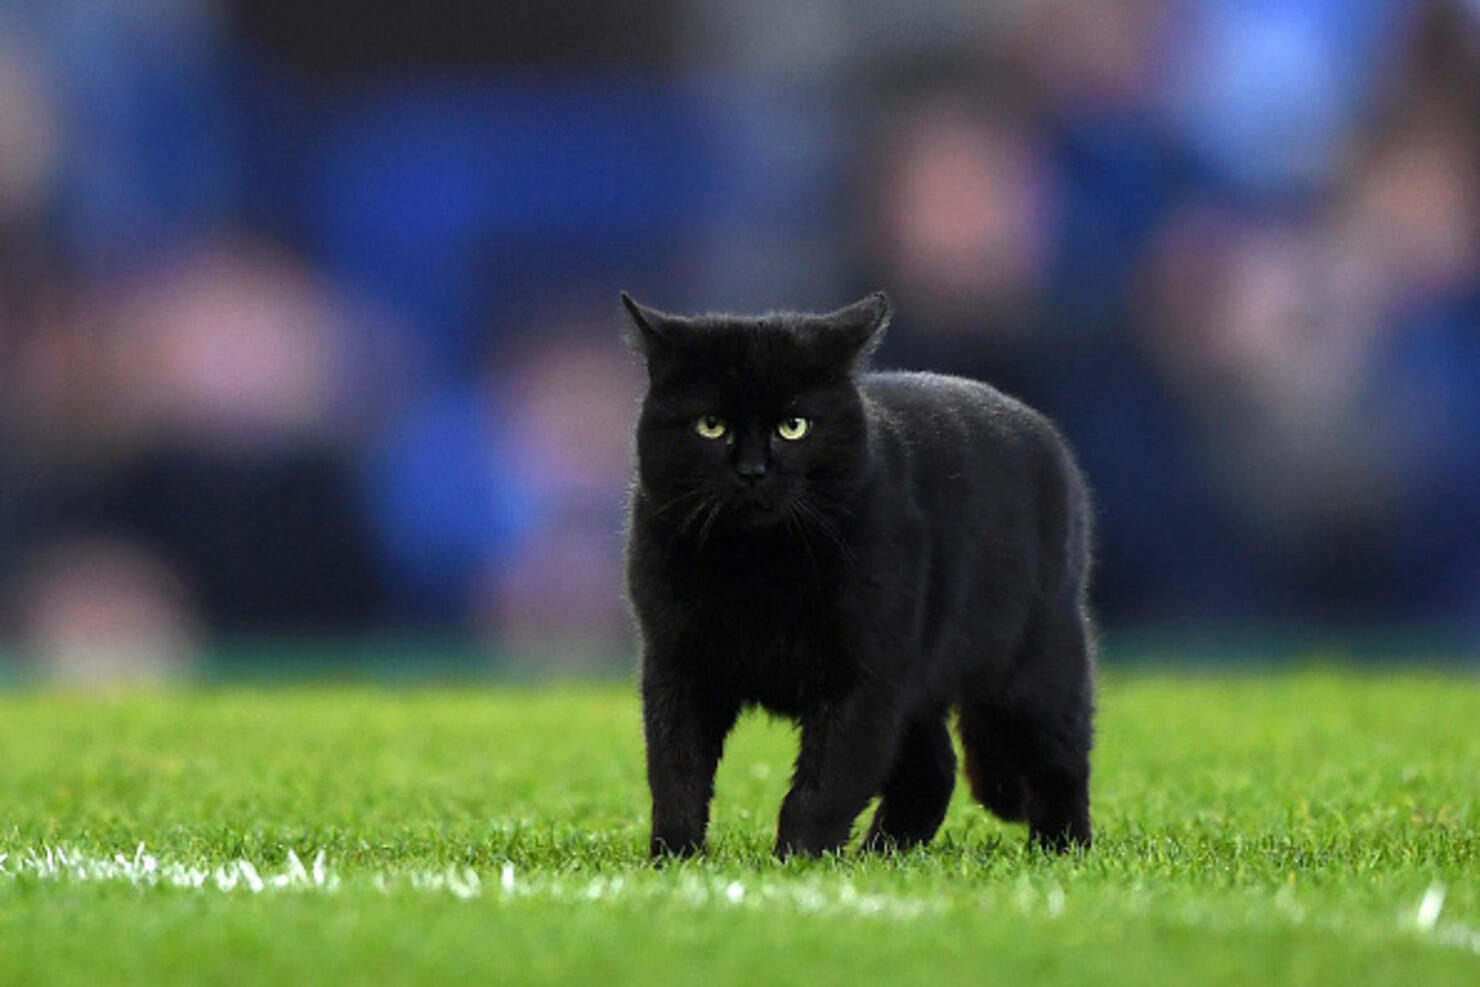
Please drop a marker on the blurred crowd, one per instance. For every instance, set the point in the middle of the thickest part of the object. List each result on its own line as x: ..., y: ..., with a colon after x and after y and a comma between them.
x: 308, y: 317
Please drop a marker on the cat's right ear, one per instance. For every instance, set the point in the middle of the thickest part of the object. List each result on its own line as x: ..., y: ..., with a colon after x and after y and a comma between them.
x: 854, y: 332
x: 650, y: 328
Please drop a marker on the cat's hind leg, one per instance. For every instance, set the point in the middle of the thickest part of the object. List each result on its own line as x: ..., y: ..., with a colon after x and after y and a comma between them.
x: 1058, y: 788
x: 918, y: 789
x: 1027, y: 745
x: 1057, y: 709
x: 1030, y: 763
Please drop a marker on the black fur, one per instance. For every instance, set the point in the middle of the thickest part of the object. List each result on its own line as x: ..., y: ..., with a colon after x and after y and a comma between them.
x: 923, y: 548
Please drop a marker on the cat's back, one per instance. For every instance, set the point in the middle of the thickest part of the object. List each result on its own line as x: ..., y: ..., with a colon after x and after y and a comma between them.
x: 929, y: 410
x: 966, y: 451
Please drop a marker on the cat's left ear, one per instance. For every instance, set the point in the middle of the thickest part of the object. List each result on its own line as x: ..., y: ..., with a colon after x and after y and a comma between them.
x: 858, y: 329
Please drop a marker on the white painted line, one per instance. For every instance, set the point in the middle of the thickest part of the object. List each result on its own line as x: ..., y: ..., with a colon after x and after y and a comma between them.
x: 143, y: 869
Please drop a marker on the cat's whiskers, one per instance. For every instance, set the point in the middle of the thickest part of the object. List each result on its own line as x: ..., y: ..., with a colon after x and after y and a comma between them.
x: 693, y: 514
x: 819, y: 520
x: 836, y: 505
x: 794, y: 524
x: 709, y: 519
x: 677, y: 500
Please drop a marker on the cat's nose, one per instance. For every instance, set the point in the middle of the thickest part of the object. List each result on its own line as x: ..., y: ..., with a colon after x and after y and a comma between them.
x: 750, y: 458
x: 751, y: 470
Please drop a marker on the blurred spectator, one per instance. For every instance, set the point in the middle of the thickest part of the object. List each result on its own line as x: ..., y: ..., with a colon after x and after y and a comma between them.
x: 501, y: 505
x: 99, y: 612
x: 447, y: 504
x: 574, y: 390
x: 198, y: 408
x: 963, y: 235
x: 142, y: 121
x: 1265, y: 93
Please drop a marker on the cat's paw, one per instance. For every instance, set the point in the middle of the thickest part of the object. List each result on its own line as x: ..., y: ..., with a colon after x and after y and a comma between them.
x: 808, y: 845
x: 1071, y: 838
x: 665, y: 848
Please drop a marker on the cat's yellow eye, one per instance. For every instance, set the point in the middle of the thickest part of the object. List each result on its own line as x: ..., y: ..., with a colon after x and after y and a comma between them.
x: 710, y: 427
x: 793, y: 429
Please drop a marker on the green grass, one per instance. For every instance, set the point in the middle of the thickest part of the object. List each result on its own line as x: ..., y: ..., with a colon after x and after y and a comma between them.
x: 1249, y: 830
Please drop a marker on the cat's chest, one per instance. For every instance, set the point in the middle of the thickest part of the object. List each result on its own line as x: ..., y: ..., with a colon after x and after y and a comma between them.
x: 775, y: 644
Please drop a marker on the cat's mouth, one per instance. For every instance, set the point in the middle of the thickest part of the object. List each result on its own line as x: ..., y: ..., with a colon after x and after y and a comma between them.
x: 754, y: 509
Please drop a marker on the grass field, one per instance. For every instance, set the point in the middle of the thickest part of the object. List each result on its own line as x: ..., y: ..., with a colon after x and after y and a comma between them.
x: 1318, y: 827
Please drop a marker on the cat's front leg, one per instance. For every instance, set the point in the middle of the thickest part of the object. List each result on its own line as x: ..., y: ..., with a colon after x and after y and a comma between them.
x: 846, y: 752
x: 685, y: 733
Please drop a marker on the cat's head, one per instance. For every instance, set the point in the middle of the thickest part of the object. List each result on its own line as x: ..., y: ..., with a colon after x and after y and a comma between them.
x: 757, y: 421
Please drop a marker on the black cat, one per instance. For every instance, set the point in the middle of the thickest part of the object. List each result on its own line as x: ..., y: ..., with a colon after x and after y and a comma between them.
x: 863, y: 553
